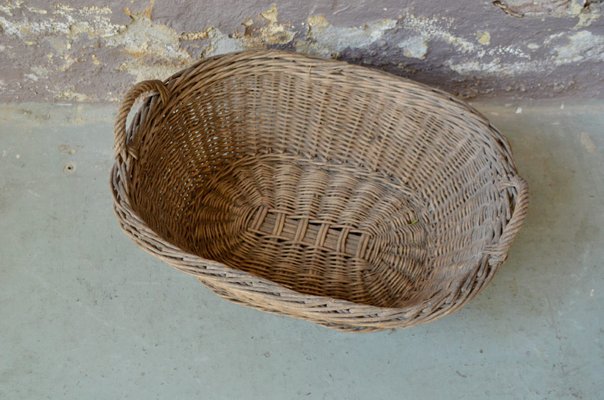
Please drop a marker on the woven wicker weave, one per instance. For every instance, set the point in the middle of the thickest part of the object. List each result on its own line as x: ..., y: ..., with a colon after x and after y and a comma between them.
x: 317, y: 189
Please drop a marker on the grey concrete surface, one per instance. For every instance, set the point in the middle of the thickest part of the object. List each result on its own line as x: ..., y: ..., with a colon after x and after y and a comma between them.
x: 85, y: 314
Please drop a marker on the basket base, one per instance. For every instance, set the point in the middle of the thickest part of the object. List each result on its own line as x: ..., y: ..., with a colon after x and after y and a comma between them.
x: 316, y: 228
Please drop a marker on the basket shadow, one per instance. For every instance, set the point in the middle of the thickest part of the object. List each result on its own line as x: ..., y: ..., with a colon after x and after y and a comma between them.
x: 533, y: 282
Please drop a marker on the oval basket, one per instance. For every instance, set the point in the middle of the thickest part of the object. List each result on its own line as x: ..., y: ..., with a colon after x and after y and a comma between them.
x: 317, y: 189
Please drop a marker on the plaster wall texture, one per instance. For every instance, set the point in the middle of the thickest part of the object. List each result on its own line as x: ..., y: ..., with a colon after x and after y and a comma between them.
x: 92, y: 51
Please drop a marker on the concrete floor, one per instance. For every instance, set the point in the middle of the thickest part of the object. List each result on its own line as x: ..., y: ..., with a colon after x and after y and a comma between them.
x: 85, y: 314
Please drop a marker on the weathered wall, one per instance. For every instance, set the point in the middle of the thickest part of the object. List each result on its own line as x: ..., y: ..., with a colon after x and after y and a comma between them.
x: 88, y: 50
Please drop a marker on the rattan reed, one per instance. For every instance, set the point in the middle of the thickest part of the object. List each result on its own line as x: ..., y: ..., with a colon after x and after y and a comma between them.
x: 317, y: 189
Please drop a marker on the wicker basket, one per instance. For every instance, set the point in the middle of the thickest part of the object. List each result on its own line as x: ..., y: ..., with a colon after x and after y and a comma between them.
x: 321, y: 190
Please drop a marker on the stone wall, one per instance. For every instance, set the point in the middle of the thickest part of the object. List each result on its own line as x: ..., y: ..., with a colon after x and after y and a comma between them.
x: 91, y: 51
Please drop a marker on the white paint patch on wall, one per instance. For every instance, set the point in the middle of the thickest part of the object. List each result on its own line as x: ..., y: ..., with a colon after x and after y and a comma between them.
x: 143, y: 36
x: 581, y: 45
x: 495, y: 66
x: 414, y: 47
x: 431, y: 28
x: 563, y: 50
x: 325, y: 39
x: 93, y: 21
x: 221, y: 43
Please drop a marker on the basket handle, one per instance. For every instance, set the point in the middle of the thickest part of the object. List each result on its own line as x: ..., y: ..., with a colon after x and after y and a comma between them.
x: 498, y: 252
x: 121, y: 146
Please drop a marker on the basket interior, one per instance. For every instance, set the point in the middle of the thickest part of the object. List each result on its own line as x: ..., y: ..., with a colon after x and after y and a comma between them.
x: 377, y: 195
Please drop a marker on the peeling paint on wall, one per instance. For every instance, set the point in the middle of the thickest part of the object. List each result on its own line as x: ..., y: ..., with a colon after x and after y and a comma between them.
x: 79, y: 51
x: 154, y: 50
x: 414, y: 47
x: 562, y: 50
x: 539, y: 8
x: 326, y: 40
x: 581, y: 46
x: 221, y: 44
x: 484, y: 38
